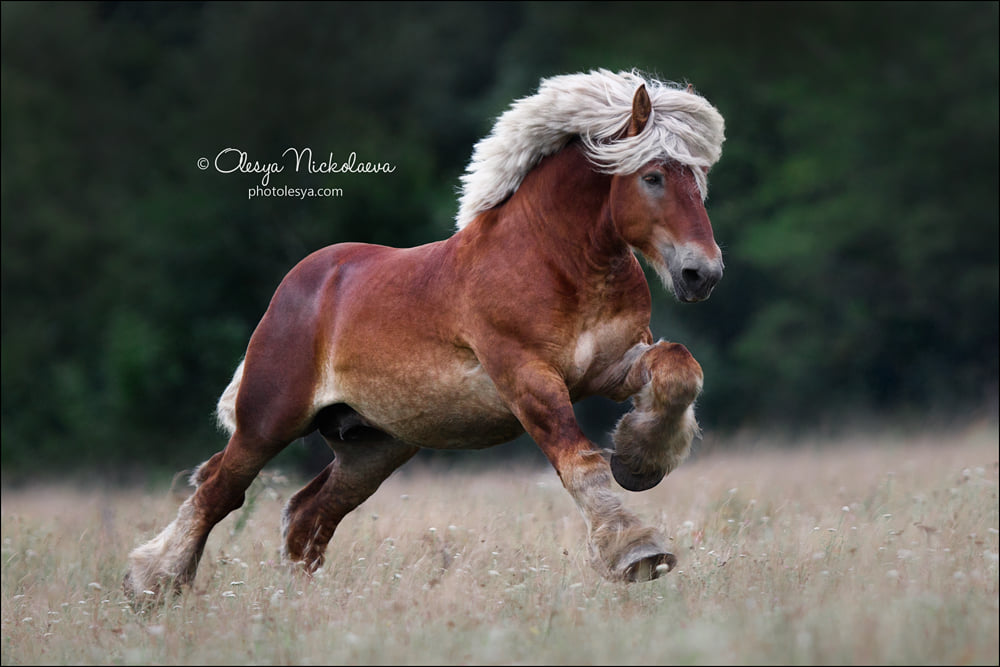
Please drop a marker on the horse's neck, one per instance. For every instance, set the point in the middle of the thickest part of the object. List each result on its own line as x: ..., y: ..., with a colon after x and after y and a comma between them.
x: 563, y: 204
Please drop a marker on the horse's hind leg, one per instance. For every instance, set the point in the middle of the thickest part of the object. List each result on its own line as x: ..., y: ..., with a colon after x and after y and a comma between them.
x: 170, y: 560
x: 313, y: 514
x: 268, y: 417
x: 358, y: 469
x: 655, y: 436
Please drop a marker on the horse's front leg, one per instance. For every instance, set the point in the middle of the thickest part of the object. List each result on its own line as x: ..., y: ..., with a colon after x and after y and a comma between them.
x: 621, y: 547
x: 655, y: 436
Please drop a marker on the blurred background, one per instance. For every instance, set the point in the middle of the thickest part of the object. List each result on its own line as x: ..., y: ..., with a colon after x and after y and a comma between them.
x: 856, y: 199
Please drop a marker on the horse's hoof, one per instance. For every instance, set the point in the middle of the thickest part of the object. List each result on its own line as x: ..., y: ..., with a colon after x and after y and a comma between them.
x: 141, y: 600
x: 155, y: 593
x: 630, y: 481
x: 129, y: 588
x: 649, y: 567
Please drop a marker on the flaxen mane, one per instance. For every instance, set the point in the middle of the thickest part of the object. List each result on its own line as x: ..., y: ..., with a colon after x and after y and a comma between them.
x: 596, y: 107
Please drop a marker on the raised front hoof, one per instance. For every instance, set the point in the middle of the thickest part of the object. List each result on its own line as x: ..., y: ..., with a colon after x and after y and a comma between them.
x: 647, y: 567
x: 629, y: 480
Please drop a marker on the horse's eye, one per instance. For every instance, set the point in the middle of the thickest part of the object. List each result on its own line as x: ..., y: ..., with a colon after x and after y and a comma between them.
x: 653, y: 179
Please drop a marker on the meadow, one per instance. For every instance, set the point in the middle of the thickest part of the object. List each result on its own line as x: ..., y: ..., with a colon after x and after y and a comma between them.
x: 880, y: 548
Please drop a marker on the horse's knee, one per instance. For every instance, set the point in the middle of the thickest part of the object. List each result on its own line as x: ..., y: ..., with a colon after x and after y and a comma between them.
x: 653, y: 438
x: 675, y: 378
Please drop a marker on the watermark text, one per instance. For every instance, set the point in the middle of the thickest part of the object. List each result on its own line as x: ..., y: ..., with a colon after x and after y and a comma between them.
x: 258, y: 191
x: 297, y: 160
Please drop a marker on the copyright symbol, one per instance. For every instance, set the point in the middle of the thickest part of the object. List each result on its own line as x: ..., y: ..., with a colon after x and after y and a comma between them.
x: 203, y: 163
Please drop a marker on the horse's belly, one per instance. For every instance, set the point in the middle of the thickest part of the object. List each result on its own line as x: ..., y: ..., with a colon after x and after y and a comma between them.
x: 437, y: 404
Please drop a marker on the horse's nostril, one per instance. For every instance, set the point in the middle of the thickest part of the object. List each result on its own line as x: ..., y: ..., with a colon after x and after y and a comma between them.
x: 698, y: 281
x: 691, y: 276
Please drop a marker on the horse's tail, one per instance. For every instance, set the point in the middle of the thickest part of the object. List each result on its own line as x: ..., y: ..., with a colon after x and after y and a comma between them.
x: 225, y: 411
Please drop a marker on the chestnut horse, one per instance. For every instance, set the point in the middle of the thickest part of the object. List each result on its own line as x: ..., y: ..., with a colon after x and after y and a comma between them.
x: 535, y: 302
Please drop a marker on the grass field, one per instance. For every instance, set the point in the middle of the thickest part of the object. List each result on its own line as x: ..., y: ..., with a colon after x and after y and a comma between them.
x: 873, y: 550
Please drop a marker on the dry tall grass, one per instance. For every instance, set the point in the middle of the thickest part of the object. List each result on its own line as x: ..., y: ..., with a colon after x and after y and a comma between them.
x: 873, y: 551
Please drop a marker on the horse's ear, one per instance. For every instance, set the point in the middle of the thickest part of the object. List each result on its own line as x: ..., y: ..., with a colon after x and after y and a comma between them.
x: 641, y: 108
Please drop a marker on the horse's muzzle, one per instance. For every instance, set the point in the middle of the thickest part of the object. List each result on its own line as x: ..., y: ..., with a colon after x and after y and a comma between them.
x: 695, y: 282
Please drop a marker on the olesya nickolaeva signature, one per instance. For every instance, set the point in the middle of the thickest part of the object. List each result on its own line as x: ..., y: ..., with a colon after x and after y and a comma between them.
x: 301, y: 160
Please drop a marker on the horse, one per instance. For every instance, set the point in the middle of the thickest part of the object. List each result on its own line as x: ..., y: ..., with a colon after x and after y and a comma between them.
x: 536, y: 301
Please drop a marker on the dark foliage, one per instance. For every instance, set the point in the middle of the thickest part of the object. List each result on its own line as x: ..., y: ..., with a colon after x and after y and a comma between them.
x: 856, y: 200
